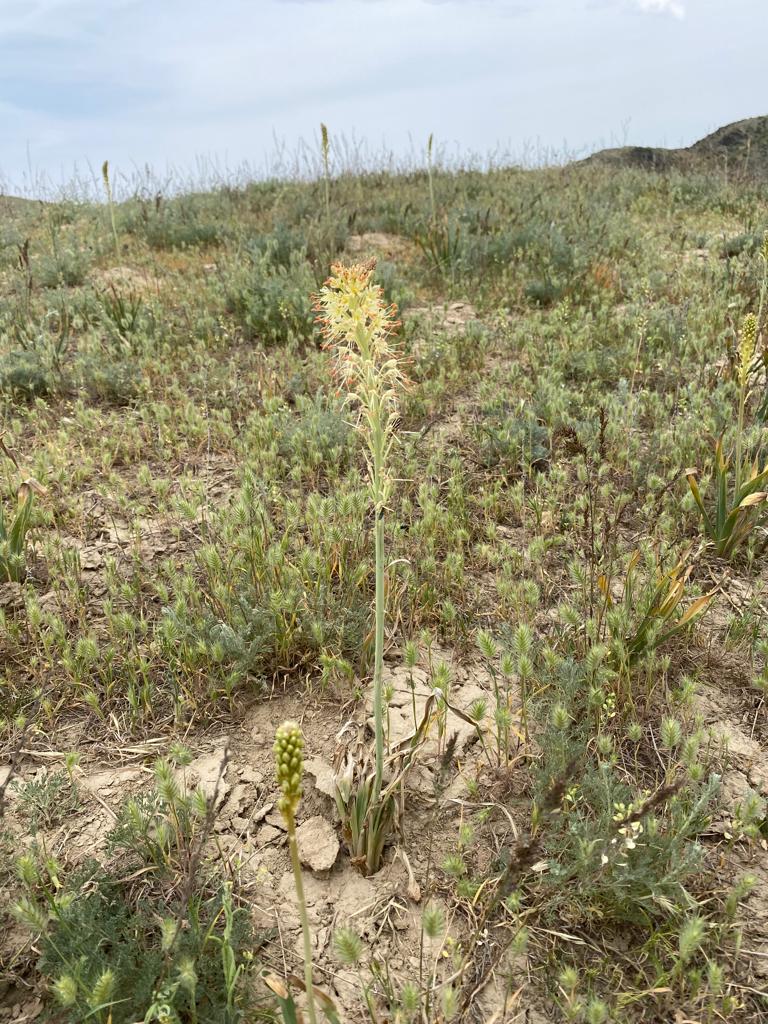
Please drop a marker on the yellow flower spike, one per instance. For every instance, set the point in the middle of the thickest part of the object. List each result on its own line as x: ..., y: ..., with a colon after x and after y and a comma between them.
x: 358, y: 326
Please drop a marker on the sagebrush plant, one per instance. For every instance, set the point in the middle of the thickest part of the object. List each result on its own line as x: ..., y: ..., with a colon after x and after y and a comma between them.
x: 267, y: 299
x: 47, y: 800
x: 358, y: 329
x: 606, y: 850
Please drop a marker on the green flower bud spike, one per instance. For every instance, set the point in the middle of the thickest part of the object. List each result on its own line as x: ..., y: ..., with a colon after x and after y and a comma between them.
x: 289, y: 764
x: 289, y: 767
x: 747, y: 348
x: 764, y: 285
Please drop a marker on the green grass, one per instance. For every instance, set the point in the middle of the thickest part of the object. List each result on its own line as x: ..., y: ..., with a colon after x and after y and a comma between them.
x: 206, y: 542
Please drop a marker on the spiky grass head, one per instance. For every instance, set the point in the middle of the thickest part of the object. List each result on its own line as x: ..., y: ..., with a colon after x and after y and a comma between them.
x: 289, y: 765
x: 65, y: 990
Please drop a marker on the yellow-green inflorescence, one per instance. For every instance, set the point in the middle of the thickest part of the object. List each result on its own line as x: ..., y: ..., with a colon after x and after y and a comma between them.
x: 358, y: 327
x: 747, y: 346
x: 289, y: 764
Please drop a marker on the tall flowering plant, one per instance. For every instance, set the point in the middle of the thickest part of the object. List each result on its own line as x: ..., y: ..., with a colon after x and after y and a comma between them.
x: 358, y: 327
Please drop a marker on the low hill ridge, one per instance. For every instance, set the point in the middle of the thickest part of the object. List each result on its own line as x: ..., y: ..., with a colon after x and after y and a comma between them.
x: 741, y: 147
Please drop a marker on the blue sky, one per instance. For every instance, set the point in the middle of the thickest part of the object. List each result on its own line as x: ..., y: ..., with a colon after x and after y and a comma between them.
x: 190, y: 84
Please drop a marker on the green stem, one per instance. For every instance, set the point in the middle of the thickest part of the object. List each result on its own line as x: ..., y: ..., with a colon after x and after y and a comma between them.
x: 110, y: 203
x: 432, y: 204
x: 742, y: 397
x: 377, y: 442
x: 296, y: 865
x: 326, y: 175
x: 413, y: 702
x: 378, y: 662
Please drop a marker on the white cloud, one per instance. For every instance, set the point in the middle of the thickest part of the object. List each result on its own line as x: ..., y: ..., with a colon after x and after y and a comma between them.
x: 674, y: 7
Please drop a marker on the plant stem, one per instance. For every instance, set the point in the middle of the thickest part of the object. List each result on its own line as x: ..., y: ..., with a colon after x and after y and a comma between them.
x: 378, y: 662
x: 326, y: 174
x: 432, y: 205
x: 110, y: 203
x: 293, y: 848
x: 740, y: 429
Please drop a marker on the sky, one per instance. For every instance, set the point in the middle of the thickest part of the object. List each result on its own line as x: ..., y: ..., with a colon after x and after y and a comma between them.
x: 199, y: 88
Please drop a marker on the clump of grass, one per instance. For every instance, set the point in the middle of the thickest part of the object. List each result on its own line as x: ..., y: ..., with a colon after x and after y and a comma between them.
x: 734, y: 516
x: 13, y: 534
x: 735, y: 513
x: 269, y: 301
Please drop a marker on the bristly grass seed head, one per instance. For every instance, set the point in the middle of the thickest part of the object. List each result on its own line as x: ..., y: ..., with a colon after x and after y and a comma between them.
x: 348, y: 946
x: 65, y: 990
x: 433, y: 921
x: 103, y: 990
x: 691, y: 937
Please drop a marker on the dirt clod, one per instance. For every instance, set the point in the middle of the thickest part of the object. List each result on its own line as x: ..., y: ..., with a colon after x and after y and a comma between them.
x: 318, y: 844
